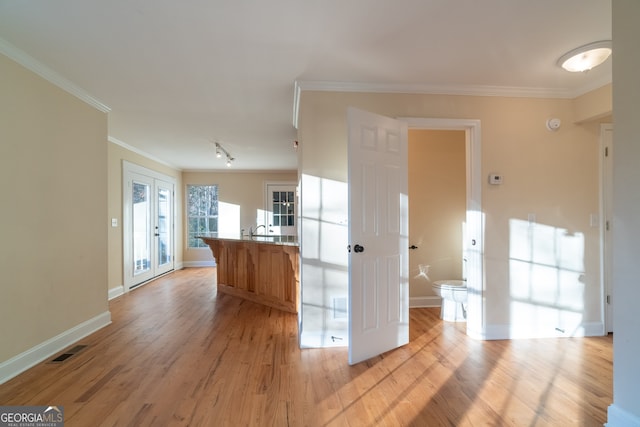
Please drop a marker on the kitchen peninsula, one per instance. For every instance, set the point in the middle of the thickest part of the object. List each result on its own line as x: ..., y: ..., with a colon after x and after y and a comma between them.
x: 262, y: 269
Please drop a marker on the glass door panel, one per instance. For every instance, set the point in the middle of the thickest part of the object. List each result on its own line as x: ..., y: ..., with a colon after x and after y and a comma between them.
x: 281, y: 209
x: 164, y: 226
x: 141, y: 222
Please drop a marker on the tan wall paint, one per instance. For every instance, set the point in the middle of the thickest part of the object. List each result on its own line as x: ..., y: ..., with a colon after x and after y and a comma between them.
x: 551, y: 174
x: 437, y: 207
x: 53, y: 170
x: 243, y: 189
x: 116, y: 155
x: 594, y: 105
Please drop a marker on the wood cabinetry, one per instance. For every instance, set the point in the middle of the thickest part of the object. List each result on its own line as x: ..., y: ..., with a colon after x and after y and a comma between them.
x: 264, y: 271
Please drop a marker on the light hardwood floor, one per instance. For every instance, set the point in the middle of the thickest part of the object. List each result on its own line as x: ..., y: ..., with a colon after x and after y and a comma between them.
x: 178, y: 354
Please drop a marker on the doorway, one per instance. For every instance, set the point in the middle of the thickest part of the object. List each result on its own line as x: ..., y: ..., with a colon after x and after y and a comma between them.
x: 148, y: 224
x: 473, y: 239
x: 375, y: 142
x: 437, y: 211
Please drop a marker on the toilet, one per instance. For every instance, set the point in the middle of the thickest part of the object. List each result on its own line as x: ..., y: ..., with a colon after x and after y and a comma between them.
x: 454, y: 299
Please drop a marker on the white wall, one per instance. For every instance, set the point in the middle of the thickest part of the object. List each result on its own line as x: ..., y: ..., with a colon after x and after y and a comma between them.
x: 625, y: 410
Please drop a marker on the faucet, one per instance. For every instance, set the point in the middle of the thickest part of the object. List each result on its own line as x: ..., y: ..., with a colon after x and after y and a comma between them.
x: 253, y: 232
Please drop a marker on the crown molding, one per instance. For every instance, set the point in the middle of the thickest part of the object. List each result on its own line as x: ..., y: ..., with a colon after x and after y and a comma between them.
x: 142, y: 153
x: 51, y: 76
x: 504, y: 91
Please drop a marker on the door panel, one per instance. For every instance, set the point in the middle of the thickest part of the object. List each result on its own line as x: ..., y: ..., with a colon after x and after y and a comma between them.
x: 141, y: 227
x: 164, y: 227
x: 281, y: 209
x: 606, y: 137
x: 148, y: 231
x: 378, y: 224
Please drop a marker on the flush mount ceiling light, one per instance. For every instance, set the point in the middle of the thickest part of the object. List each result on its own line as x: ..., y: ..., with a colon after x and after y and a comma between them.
x: 586, y: 57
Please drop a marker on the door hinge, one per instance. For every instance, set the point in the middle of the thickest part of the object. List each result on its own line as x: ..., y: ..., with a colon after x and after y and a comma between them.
x: 606, y: 151
x: 608, y: 299
x: 606, y: 225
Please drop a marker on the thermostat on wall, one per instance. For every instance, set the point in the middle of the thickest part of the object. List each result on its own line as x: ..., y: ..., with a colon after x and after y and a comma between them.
x: 495, y: 179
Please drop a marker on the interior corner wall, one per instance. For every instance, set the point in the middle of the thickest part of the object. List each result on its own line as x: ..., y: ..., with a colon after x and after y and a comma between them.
x: 551, y: 177
x: 117, y: 154
x: 53, y: 257
x: 593, y: 105
x: 625, y: 410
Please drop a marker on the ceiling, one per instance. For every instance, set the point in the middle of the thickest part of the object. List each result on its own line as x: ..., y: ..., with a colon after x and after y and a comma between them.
x: 177, y: 76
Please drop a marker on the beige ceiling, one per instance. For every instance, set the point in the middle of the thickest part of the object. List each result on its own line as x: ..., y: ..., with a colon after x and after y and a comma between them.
x: 178, y: 75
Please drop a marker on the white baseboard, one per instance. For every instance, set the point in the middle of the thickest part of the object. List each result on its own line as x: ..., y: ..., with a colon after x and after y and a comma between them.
x: 116, y: 292
x: 23, y: 361
x: 429, y: 301
x: 504, y: 332
x: 187, y: 264
x: 618, y: 417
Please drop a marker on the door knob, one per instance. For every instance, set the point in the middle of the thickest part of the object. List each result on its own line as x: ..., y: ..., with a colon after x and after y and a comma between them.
x: 358, y: 248
x: 413, y: 247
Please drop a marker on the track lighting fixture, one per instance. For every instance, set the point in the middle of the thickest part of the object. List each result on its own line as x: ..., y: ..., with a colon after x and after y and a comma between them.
x: 220, y: 150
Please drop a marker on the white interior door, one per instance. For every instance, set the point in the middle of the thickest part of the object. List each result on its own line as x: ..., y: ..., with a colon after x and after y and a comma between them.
x: 606, y: 141
x: 378, y: 235
x: 148, y: 225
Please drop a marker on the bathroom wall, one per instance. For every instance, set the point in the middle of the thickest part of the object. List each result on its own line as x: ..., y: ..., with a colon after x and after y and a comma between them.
x: 437, y: 210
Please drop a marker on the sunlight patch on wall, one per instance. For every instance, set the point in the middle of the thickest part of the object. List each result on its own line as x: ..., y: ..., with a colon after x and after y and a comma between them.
x: 228, y: 220
x: 546, y: 280
x: 324, y: 262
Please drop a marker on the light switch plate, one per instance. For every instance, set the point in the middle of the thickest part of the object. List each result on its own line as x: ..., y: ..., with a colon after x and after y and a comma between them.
x: 114, y: 222
x: 495, y: 179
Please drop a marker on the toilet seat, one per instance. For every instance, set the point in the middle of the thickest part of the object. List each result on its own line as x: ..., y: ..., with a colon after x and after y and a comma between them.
x: 450, y: 284
x: 454, y: 298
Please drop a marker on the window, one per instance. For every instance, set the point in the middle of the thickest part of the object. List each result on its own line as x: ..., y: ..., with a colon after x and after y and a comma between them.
x: 283, y: 208
x: 202, y: 213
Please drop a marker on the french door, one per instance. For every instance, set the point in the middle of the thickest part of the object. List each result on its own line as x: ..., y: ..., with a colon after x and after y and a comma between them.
x: 281, y: 208
x: 148, y: 231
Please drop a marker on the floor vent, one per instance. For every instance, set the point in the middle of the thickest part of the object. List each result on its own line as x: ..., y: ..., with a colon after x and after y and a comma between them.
x: 67, y: 354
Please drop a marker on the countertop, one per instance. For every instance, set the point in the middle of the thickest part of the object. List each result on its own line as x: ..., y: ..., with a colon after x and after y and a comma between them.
x: 260, y: 238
